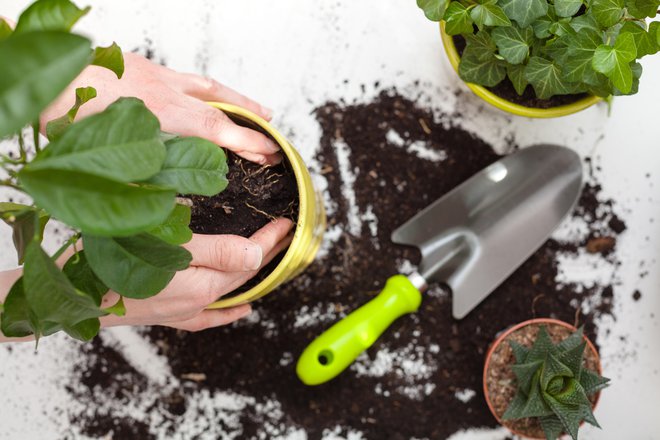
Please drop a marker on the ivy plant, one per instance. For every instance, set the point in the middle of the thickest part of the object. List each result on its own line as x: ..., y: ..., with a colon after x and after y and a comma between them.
x: 553, y: 385
x: 113, y: 178
x: 558, y: 47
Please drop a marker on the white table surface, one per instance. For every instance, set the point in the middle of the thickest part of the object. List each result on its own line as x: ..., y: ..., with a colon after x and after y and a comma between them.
x: 293, y: 55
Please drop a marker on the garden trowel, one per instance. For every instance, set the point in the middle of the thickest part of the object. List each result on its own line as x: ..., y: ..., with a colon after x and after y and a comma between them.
x: 472, y: 239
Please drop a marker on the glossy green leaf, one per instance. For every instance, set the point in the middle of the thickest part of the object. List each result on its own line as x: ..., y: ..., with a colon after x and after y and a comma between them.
x: 136, y: 267
x: 607, y: 12
x: 50, y: 15
x: 97, y: 205
x: 5, y: 29
x: 484, y: 72
x: 56, y: 127
x: 489, y: 14
x: 174, y: 229
x: 433, y: 9
x: 516, y: 74
x: 642, y: 8
x: 111, y: 58
x: 614, y: 61
x: 17, y: 319
x: 42, y: 65
x: 567, y: 8
x: 524, y: 12
x: 122, y: 143
x: 51, y: 295
x: 513, y: 43
x: 457, y: 19
x: 645, y: 42
x: 561, y: 27
x: 79, y: 272
x: 193, y: 166
x: 480, y: 46
x: 546, y: 78
x: 581, y: 48
x: 118, y: 309
x: 542, y: 27
x: 85, y: 330
x: 27, y: 224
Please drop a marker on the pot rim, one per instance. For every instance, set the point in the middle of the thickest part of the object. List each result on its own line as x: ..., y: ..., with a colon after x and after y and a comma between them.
x: 503, y: 336
x: 508, y: 106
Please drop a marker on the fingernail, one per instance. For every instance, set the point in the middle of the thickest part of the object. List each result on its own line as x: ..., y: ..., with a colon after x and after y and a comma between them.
x: 271, y: 146
x: 245, y: 313
x: 253, y: 257
x: 276, y: 158
x: 268, y: 113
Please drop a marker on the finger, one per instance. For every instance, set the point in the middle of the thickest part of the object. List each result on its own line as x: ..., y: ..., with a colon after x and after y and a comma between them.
x: 208, y: 89
x: 271, y: 234
x: 271, y: 159
x: 227, y: 253
x: 212, y: 318
x: 190, y: 117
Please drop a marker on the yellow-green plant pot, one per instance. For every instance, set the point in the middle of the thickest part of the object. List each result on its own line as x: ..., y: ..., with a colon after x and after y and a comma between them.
x: 508, y: 106
x: 310, y: 224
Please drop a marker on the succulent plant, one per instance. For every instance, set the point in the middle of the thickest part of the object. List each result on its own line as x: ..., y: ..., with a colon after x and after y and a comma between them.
x: 553, y: 385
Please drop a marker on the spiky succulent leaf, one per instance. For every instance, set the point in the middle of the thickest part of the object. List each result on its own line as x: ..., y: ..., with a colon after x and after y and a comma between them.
x: 553, y: 385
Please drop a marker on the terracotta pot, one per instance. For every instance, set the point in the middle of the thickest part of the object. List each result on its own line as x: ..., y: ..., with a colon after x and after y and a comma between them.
x: 502, y: 338
x: 508, y: 106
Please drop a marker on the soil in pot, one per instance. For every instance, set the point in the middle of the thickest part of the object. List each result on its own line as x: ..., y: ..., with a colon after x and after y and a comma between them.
x: 256, y: 194
x: 506, y: 90
x: 501, y: 381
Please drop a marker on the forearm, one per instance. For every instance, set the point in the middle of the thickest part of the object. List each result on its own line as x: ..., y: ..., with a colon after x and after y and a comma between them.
x: 7, y: 279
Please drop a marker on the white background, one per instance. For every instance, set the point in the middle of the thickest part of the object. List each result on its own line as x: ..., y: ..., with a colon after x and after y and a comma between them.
x: 293, y: 56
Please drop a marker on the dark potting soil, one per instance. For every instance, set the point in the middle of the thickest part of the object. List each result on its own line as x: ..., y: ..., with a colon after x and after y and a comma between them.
x: 501, y: 380
x: 255, y: 195
x: 506, y: 90
x: 408, y: 384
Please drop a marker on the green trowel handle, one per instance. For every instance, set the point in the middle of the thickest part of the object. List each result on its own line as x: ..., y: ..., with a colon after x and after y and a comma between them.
x: 333, y: 351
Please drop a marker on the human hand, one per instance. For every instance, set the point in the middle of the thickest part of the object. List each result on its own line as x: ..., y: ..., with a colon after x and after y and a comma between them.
x: 220, y: 264
x: 177, y: 99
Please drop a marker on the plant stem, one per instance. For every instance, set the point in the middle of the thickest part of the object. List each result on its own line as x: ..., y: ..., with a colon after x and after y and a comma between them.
x: 10, y: 184
x: 71, y: 241
x: 35, y: 135
x: 21, y: 145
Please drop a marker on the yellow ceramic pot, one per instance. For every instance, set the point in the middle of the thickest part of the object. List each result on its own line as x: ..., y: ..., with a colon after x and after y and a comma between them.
x: 508, y: 106
x: 310, y: 225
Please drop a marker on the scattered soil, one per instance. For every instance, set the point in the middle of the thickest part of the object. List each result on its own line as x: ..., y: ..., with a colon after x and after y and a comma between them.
x: 423, y: 378
x: 501, y: 381
x: 506, y: 90
x: 255, y: 195
x: 637, y: 295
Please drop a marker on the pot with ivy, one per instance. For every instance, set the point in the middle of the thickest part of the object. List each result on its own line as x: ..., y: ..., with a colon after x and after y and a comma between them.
x: 542, y: 379
x: 541, y: 58
x: 120, y: 184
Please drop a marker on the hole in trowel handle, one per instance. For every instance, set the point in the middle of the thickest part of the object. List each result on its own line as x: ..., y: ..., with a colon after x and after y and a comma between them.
x: 325, y: 357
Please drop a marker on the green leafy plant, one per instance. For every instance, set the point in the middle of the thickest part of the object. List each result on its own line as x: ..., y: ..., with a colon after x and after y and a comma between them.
x: 553, y: 385
x: 558, y: 46
x: 112, y: 177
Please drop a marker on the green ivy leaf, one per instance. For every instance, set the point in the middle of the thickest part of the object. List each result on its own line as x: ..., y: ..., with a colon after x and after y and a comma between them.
x: 174, y: 229
x: 56, y: 127
x: 614, y: 61
x: 458, y: 20
x: 193, y: 166
x: 513, y: 43
x: 111, y: 58
x: 97, y: 205
x: 5, y: 30
x: 546, y: 78
x: 654, y: 30
x: 607, y: 12
x: 542, y: 27
x: 642, y: 8
x: 567, y: 8
x: 489, y: 14
x: 581, y: 48
x: 17, y: 319
x: 516, y: 75
x: 51, y: 295
x: 645, y: 42
x: 487, y: 73
x: 54, y: 59
x: 121, y: 143
x: 136, y: 267
x: 79, y: 272
x: 480, y: 46
x: 524, y: 12
x: 585, y: 22
x: 433, y: 9
x: 50, y: 15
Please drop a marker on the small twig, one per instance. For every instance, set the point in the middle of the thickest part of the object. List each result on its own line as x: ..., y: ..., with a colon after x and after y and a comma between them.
x: 10, y: 184
x: 425, y: 127
x: 577, y: 317
x: 536, y: 298
x: 71, y: 241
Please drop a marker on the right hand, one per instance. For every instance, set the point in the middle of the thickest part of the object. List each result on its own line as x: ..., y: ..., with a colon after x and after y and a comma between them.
x: 220, y: 264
